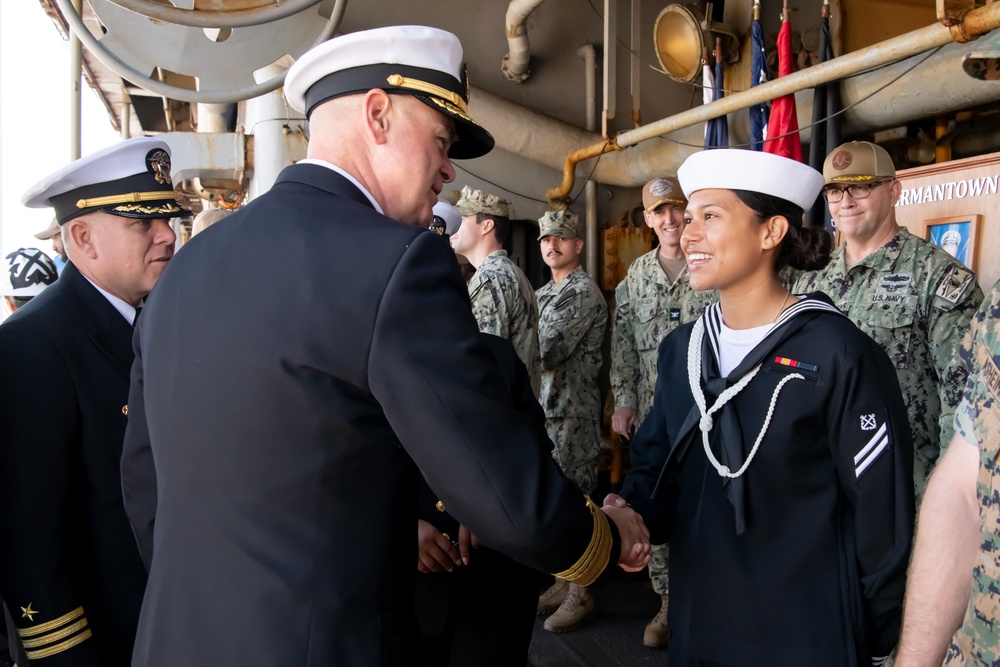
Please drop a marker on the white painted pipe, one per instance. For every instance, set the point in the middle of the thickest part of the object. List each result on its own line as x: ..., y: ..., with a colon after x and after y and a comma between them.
x: 516, y: 65
x: 75, y: 99
x: 278, y: 137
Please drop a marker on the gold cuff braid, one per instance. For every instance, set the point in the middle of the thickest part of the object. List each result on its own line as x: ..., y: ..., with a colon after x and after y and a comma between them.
x: 593, y: 561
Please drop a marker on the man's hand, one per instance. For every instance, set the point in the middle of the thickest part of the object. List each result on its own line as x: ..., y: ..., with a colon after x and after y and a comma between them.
x: 466, y: 541
x: 623, y: 420
x: 435, y: 552
x: 635, y: 549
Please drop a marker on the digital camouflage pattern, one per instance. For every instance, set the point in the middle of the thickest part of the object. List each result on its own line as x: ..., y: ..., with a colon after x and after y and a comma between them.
x: 648, y: 307
x: 572, y: 318
x: 559, y: 223
x: 577, y: 444
x: 978, y: 421
x: 916, y: 301
x: 477, y: 201
x: 503, y: 304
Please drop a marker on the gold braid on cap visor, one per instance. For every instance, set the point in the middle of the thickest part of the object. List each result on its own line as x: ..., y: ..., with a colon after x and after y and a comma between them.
x: 442, y: 96
x: 593, y: 561
x: 838, y: 179
x: 130, y: 198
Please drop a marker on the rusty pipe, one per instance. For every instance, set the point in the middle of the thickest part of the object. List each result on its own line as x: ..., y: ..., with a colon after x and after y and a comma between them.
x: 975, y: 23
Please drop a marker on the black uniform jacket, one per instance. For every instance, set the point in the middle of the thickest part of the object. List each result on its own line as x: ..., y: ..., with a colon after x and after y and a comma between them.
x: 802, y: 559
x: 68, y: 552
x: 485, y: 611
x: 290, y: 362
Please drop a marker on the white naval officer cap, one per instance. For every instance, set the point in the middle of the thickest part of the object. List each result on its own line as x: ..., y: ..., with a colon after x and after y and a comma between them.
x: 130, y: 179
x: 408, y: 60
x: 754, y: 171
x: 452, y: 218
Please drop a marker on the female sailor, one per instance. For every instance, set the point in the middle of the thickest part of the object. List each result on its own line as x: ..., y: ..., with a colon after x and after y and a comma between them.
x: 776, y: 460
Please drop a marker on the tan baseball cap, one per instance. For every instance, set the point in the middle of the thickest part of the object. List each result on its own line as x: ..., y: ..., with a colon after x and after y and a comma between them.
x: 559, y: 223
x: 49, y: 231
x: 477, y: 201
x: 858, y: 162
x: 662, y: 190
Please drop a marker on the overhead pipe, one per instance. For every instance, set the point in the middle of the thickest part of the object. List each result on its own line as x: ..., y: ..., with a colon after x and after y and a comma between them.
x: 546, y: 140
x: 242, y: 17
x: 589, y: 55
x: 516, y: 65
x: 975, y: 23
x: 75, y: 98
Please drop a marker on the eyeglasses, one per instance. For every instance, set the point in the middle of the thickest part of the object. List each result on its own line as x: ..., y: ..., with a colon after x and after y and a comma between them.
x: 857, y: 191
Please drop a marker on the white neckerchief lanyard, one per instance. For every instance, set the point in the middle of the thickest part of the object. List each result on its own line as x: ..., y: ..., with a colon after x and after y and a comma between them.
x: 705, y: 424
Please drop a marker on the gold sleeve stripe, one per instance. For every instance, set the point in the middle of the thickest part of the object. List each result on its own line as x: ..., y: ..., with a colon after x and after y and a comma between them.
x: 59, y: 648
x: 593, y: 561
x: 130, y: 198
x: 51, y: 625
x: 55, y: 635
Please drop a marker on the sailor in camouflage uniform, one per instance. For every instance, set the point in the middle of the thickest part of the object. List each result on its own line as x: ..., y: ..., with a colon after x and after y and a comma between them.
x: 653, y: 300
x: 503, y: 300
x: 572, y: 320
x: 953, y: 589
x: 913, y: 298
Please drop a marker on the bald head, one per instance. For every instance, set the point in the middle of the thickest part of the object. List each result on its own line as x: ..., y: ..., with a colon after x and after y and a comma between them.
x: 394, y: 145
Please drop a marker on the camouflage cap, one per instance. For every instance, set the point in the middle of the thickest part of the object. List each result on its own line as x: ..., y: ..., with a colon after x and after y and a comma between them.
x: 858, y: 162
x: 558, y: 223
x: 477, y: 201
x: 662, y: 191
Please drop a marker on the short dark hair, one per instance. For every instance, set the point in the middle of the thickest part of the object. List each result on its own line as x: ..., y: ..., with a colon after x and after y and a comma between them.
x: 501, y: 225
x: 803, y: 248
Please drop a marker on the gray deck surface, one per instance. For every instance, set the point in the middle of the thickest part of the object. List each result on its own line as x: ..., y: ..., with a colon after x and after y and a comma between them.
x: 612, y: 639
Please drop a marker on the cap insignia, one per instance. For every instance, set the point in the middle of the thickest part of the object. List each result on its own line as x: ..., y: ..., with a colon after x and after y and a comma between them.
x: 842, y: 160
x: 661, y: 187
x: 158, y: 162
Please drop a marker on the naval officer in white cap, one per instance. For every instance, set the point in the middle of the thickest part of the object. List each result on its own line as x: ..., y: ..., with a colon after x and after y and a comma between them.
x: 268, y: 468
x: 70, y: 572
x: 777, y: 455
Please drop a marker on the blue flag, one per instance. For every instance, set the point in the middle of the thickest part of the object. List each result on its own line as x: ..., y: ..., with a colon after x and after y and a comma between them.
x: 759, y: 73
x: 717, y: 129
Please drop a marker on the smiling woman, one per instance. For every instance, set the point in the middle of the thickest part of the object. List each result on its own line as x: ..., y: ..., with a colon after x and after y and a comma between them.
x: 780, y: 503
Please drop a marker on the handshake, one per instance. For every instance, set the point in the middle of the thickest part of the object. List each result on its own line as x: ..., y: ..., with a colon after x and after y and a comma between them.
x: 635, y: 548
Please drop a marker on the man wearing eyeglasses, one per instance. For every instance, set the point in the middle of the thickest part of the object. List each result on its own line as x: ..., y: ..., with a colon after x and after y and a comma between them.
x: 913, y: 298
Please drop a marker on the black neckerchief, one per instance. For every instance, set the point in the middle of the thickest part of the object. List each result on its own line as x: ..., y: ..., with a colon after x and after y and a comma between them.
x: 727, y: 436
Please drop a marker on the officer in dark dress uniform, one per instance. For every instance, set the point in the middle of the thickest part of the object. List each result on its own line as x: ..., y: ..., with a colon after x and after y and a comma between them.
x: 69, y: 570
x: 480, y: 612
x: 268, y: 467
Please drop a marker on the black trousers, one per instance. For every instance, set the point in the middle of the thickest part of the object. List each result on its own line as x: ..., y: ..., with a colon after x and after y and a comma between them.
x: 481, y: 614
